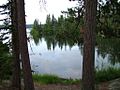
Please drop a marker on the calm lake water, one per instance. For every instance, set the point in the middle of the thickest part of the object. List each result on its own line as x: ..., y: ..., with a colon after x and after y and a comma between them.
x: 65, y: 63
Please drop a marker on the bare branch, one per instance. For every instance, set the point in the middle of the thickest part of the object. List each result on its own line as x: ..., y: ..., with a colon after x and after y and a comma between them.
x: 43, y: 4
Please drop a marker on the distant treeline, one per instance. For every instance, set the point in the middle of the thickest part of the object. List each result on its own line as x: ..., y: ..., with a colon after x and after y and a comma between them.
x: 27, y: 26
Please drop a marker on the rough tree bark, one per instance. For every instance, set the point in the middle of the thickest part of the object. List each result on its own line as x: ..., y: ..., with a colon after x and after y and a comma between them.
x: 27, y: 75
x: 16, y: 80
x: 89, y: 45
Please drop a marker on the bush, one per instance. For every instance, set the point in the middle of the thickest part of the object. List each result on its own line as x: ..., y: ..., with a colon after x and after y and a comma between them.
x: 107, y: 74
x: 5, y: 62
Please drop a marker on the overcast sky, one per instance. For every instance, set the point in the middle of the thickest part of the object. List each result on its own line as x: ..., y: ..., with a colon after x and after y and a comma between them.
x: 36, y: 10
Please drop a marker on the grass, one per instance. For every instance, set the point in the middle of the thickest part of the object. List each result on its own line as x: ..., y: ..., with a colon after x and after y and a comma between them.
x: 107, y: 74
x: 52, y: 79
x: 100, y: 76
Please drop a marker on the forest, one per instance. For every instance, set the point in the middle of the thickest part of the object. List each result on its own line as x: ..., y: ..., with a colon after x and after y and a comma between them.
x: 91, y: 24
x: 68, y: 29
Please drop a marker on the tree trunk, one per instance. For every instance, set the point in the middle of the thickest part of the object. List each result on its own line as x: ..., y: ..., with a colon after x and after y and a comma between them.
x: 28, y: 82
x: 16, y: 80
x: 89, y: 45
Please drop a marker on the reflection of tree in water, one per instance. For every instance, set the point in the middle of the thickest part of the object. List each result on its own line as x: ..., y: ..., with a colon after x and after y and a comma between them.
x: 105, y: 47
x: 110, y: 47
x: 53, y: 41
x: 63, y: 33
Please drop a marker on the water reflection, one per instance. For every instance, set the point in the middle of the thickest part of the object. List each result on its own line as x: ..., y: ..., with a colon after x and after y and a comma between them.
x: 64, y: 57
x: 66, y: 63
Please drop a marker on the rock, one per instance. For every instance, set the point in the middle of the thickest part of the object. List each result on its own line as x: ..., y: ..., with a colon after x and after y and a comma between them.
x: 115, y: 84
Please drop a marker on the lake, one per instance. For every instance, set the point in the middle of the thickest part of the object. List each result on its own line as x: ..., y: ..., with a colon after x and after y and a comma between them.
x: 65, y: 62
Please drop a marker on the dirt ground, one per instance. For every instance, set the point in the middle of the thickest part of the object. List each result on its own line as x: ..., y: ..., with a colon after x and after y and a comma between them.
x: 57, y: 87
x: 110, y: 85
x: 69, y: 87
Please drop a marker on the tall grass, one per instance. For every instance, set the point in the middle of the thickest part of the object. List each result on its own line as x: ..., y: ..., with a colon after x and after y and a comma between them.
x: 107, y: 74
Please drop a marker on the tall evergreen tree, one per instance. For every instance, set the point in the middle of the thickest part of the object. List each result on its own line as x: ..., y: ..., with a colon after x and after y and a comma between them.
x: 16, y: 80
x: 28, y: 81
x: 88, y: 77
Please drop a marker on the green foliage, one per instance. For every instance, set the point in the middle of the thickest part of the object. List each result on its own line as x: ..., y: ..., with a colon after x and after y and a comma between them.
x: 36, y: 31
x: 107, y: 74
x: 110, y: 47
x: 66, y: 29
x: 52, y: 79
x: 108, y: 18
x: 108, y: 14
x: 5, y: 62
x: 46, y: 79
x: 5, y: 56
x: 61, y: 31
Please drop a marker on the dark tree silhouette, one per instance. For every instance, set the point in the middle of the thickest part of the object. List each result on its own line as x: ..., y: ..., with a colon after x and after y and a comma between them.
x: 27, y: 75
x: 16, y: 80
x: 89, y: 45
